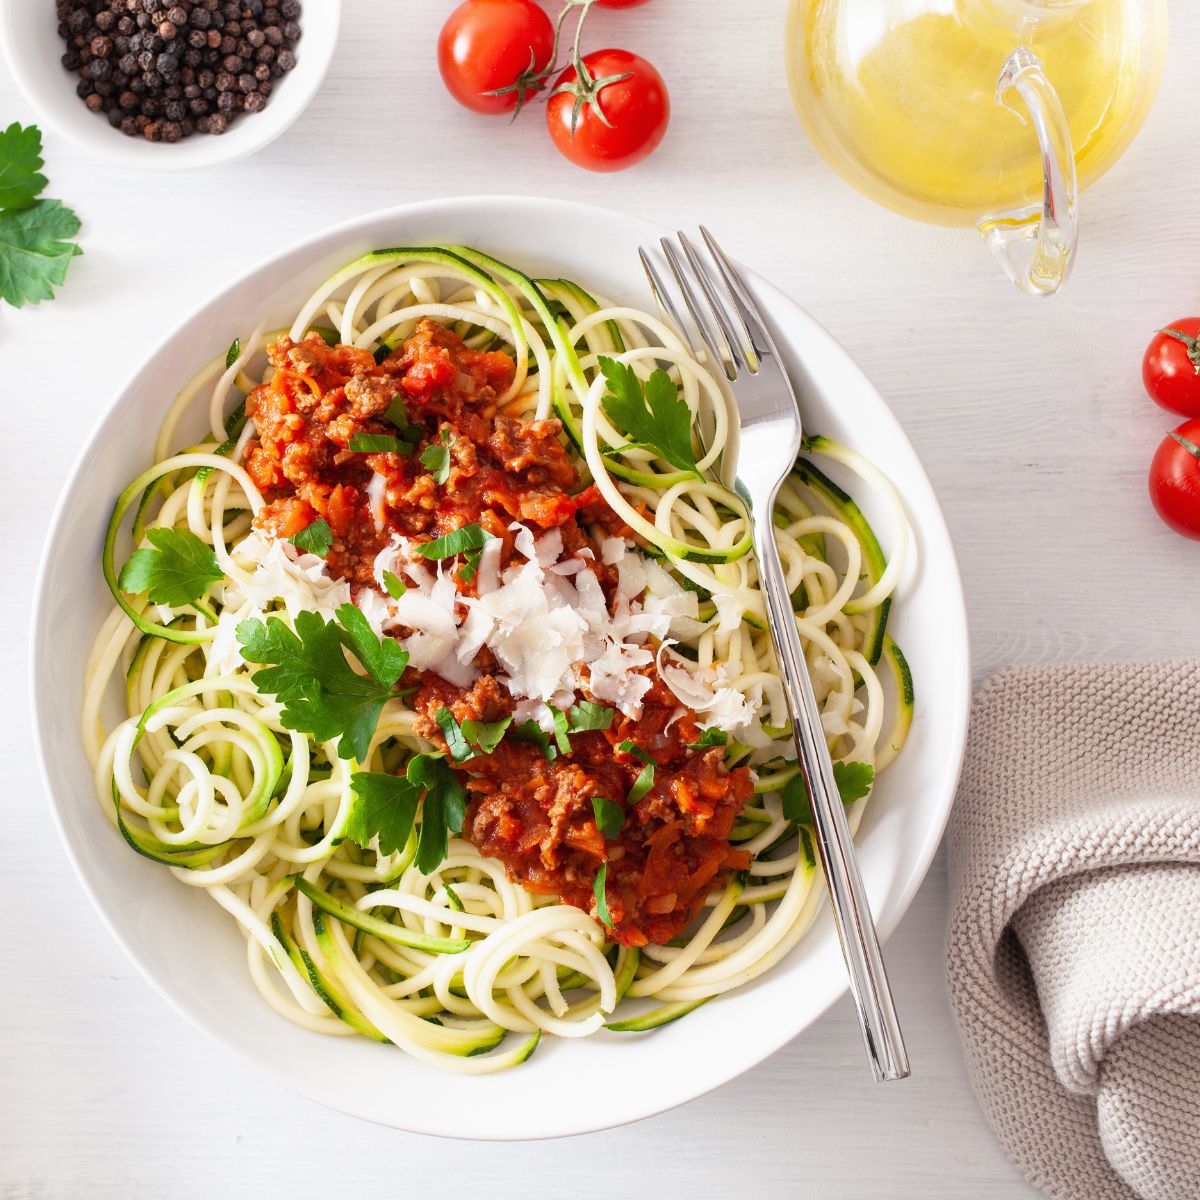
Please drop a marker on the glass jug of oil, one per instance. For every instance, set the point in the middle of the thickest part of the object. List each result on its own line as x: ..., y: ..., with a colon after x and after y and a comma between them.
x: 984, y: 112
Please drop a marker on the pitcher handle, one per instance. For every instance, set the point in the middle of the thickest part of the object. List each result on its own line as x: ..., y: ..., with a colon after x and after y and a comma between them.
x: 1036, y: 245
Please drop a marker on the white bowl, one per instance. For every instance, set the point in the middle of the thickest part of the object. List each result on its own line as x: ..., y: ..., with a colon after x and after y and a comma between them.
x: 29, y: 35
x: 192, y: 952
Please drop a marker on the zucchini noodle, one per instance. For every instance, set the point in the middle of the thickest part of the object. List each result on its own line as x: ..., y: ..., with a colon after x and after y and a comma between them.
x: 463, y: 967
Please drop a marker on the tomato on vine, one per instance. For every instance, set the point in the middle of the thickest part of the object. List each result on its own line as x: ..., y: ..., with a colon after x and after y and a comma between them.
x: 1175, y: 479
x: 1171, y: 367
x: 495, y: 54
x: 608, y: 111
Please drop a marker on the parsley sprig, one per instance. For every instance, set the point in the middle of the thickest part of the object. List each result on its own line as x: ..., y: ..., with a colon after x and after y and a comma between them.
x: 177, y: 568
x: 385, y: 807
x: 645, y: 780
x: 854, y: 780
x: 306, y: 669
x: 35, y: 245
x: 652, y: 415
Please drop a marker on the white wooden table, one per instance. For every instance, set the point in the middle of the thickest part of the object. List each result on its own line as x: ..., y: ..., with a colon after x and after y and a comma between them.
x: 1029, y: 416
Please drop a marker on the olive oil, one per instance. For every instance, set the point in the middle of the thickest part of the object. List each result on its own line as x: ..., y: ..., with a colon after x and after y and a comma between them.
x: 900, y: 95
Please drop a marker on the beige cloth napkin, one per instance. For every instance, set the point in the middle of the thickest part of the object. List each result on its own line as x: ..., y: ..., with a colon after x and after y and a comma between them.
x: 1073, y: 950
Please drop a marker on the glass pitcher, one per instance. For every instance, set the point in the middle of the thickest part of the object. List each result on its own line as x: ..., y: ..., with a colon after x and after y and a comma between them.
x: 985, y: 112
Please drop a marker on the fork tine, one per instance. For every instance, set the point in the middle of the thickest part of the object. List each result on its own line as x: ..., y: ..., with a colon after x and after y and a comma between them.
x: 756, y: 330
x: 662, y: 295
x: 710, y: 336
x: 723, y: 308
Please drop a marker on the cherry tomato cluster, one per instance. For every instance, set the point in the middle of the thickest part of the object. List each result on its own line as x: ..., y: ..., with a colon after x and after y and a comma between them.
x: 1171, y: 373
x: 605, y: 110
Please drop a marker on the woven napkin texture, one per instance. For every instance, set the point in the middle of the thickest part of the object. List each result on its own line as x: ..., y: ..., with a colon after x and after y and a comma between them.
x: 1073, y: 951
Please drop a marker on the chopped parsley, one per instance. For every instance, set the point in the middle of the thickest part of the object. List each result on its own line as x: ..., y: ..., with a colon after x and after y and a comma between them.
x: 598, y: 891
x: 397, y: 415
x: 460, y: 750
x: 854, y: 781
x: 485, y: 734
x: 531, y: 731
x: 375, y: 443
x: 561, y: 729
x: 316, y: 538
x: 652, y: 415
x: 710, y: 737
x: 320, y: 693
x: 177, y: 568
x: 394, y: 587
x: 645, y: 780
x: 461, y: 541
x: 587, y: 714
x: 436, y: 458
x: 610, y: 816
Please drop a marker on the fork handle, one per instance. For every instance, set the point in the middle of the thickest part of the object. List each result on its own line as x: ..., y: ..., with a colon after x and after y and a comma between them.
x: 851, y: 910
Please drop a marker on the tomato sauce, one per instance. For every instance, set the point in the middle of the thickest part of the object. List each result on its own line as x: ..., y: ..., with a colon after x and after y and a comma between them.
x: 533, y: 814
x: 537, y: 817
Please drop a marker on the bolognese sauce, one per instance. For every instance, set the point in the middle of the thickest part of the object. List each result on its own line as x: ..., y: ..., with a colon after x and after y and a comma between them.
x: 533, y: 813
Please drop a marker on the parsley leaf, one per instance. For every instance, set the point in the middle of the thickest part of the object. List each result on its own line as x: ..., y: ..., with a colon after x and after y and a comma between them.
x: 20, y: 163
x: 588, y: 715
x: 374, y: 443
x: 610, y: 816
x: 485, y: 734
x: 531, y: 731
x: 395, y: 588
x: 307, y: 671
x: 645, y: 780
x: 854, y: 781
x: 461, y: 541
x: 471, y: 567
x: 457, y: 744
x: 177, y: 568
x: 710, y: 737
x: 382, y: 351
x: 35, y: 251
x: 436, y: 458
x: 397, y: 415
x: 561, y: 729
x: 316, y: 538
x: 654, y: 415
x: 383, y: 657
x: 384, y: 806
x: 442, y: 812
x: 598, y: 891
x: 233, y: 353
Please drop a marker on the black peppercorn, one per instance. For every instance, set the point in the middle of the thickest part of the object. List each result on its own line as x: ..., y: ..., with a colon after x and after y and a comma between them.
x: 166, y: 69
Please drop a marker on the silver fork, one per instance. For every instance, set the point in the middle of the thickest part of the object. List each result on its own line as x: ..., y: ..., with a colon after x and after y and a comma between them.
x: 737, y: 340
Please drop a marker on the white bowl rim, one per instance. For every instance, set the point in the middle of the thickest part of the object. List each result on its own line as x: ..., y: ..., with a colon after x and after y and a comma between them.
x: 246, y: 137
x: 954, y: 735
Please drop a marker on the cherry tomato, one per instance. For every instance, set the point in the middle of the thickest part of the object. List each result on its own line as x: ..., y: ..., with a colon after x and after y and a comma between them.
x: 636, y: 109
x: 1175, y: 479
x: 1171, y: 367
x: 495, y: 45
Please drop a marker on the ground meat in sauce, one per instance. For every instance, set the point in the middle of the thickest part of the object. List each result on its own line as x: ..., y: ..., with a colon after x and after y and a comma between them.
x: 535, y: 816
x: 502, y: 468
